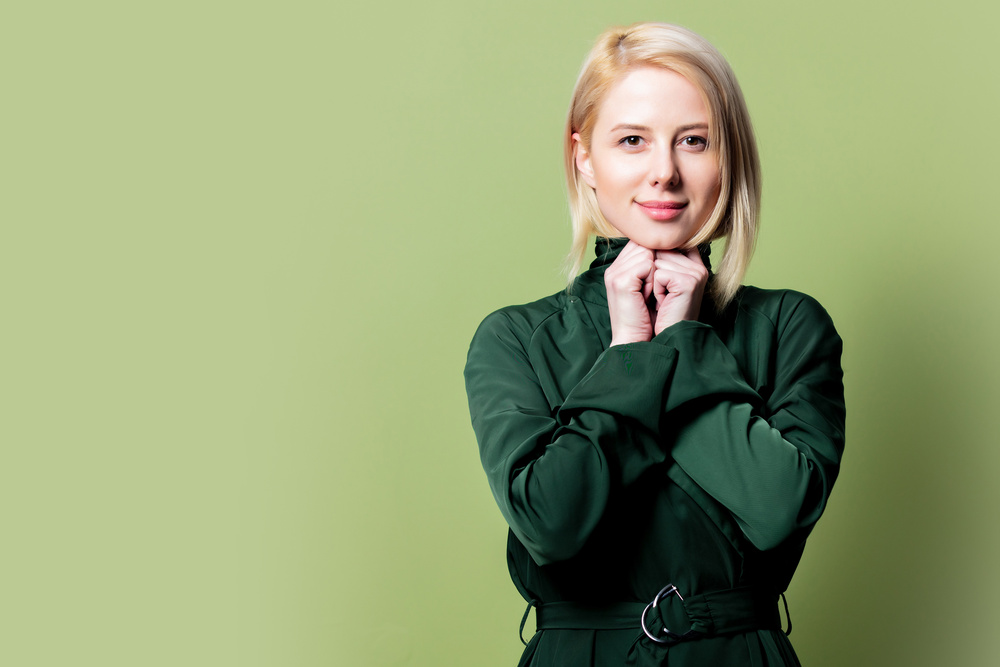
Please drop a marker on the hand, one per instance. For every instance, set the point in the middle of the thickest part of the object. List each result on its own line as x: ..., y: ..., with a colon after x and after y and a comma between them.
x: 629, y: 282
x: 679, y: 282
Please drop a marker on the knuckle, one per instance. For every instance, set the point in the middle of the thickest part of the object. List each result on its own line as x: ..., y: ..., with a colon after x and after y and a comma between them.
x: 617, y: 283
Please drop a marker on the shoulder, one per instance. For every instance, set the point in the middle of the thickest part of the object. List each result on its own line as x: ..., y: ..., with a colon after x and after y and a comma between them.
x: 800, y: 325
x: 518, y: 323
x: 783, y: 307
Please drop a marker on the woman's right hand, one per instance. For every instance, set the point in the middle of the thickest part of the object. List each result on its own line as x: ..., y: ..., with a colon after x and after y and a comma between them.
x: 629, y: 282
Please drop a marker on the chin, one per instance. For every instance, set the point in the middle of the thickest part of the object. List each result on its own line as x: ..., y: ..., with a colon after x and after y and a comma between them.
x: 654, y: 242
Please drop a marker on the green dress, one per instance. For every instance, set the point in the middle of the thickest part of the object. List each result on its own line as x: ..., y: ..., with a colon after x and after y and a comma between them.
x: 700, y: 459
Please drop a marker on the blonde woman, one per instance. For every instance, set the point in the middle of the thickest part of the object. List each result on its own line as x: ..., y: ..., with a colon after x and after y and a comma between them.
x: 660, y: 439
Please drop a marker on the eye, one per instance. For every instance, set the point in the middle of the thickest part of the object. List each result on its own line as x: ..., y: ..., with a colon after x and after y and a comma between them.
x: 632, y: 141
x: 694, y: 141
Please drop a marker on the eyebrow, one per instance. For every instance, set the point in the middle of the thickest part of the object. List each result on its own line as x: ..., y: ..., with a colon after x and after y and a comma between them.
x: 643, y: 128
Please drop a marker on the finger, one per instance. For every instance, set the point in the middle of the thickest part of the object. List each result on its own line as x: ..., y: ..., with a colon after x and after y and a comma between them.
x: 679, y: 283
x: 632, y: 273
x: 660, y: 280
x: 636, y: 265
x: 690, y: 255
x: 633, y: 249
x: 694, y: 255
x: 682, y: 264
x: 681, y: 273
x: 634, y: 244
x: 631, y: 252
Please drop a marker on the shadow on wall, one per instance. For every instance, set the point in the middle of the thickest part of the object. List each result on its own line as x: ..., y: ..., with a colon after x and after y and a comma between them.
x: 915, y: 495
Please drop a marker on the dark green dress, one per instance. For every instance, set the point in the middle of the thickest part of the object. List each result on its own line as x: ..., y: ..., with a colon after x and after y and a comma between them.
x: 701, y: 459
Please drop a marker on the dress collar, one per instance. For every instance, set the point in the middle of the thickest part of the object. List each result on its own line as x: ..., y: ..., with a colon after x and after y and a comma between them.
x: 589, y: 285
x: 607, y: 249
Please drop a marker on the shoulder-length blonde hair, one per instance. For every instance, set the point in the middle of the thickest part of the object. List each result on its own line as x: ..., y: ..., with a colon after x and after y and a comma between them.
x: 677, y: 49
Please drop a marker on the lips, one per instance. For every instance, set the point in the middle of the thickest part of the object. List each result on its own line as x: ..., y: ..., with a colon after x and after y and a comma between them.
x: 662, y: 204
x: 662, y: 210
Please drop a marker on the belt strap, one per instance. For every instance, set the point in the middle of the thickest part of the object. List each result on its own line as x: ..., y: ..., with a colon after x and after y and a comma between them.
x: 695, y: 616
x: 582, y: 615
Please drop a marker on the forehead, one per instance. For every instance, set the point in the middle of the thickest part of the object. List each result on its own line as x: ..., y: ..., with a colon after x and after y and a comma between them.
x: 652, y: 96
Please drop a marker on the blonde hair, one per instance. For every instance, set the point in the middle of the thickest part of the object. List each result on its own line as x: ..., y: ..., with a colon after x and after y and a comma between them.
x: 735, y: 216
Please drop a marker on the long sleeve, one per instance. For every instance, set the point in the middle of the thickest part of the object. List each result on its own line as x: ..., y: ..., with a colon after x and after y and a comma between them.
x: 770, y: 460
x: 701, y: 458
x: 552, y: 472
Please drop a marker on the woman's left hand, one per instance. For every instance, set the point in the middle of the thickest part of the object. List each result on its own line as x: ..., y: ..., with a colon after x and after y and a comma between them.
x: 678, y: 285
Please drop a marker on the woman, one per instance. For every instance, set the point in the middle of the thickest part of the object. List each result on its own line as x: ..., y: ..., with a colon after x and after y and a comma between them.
x: 660, y: 439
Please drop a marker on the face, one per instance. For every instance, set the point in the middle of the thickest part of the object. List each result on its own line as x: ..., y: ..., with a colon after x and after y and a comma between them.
x: 649, y: 162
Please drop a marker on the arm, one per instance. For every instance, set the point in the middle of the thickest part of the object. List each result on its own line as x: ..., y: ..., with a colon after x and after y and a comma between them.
x: 552, y: 474
x: 771, y: 463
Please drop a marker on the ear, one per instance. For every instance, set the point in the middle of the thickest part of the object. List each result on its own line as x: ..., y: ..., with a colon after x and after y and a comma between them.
x: 583, y: 164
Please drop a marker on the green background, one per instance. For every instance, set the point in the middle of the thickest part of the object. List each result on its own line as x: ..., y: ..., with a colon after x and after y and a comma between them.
x: 245, y: 246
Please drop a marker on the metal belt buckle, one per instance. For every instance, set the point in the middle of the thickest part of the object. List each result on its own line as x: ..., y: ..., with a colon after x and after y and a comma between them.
x: 671, y: 637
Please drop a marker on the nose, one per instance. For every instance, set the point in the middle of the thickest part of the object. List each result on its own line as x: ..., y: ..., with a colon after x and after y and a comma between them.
x: 663, y: 170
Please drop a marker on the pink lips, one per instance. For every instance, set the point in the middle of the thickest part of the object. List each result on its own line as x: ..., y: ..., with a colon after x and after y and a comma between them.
x: 662, y: 210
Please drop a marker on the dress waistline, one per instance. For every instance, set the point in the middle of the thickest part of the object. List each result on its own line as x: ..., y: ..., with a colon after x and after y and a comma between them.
x: 670, y: 618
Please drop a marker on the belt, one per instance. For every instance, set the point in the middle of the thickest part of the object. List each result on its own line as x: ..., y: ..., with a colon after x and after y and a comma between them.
x: 669, y: 618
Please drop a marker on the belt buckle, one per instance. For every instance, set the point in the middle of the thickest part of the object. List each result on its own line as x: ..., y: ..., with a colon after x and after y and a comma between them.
x: 671, y: 637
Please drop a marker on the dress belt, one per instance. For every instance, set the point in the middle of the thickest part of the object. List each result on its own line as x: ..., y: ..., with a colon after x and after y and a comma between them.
x: 670, y: 618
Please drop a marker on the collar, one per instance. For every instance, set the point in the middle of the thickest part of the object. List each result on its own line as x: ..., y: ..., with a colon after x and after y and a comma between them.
x: 608, y: 249
x: 589, y: 285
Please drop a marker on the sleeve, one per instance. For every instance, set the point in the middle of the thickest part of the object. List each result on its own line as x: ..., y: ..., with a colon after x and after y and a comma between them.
x: 771, y: 463
x: 552, y: 474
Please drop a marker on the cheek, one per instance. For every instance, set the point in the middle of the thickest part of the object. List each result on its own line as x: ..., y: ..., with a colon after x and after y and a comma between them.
x: 615, y: 177
x: 711, y: 186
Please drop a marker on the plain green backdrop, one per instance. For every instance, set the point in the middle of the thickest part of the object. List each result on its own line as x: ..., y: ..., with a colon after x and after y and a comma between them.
x: 245, y: 246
